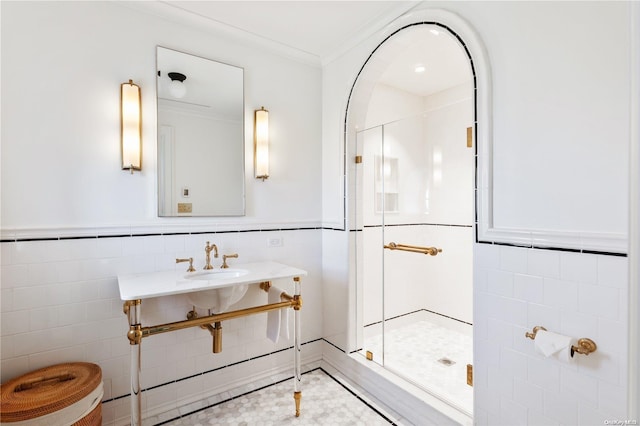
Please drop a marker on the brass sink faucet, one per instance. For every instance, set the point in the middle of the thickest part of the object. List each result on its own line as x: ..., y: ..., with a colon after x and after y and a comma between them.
x: 207, y: 251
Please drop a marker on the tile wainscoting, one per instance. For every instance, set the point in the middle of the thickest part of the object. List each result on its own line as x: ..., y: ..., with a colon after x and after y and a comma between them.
x: 60, y: 303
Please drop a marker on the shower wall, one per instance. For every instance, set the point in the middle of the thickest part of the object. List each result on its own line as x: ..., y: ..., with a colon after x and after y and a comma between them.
x: 428, y: 191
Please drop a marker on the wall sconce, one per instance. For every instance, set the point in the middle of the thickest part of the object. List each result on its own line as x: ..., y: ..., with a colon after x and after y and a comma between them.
x: 261, y: 145
x: 177, y: 87
x: 131, y: 126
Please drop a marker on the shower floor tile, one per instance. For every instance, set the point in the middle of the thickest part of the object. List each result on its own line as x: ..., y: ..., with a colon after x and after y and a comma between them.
x: 430, y: 355
x: 325, y: 401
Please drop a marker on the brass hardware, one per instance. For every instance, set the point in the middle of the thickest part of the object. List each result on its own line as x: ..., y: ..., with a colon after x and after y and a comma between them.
x: 285, y: 296
x: 469, y: 137
x: 207, y: 252
x: 433, y: 251
x: 215, y: 330
x: 217, y: 337
x: 185, y: 208
x: 135, y: 334
x: 190, y: 260
x: 358, y: 159
x: 470, y: 374
x: 265, y: 285
x: 296, y: 303
x: 297, y: 396
x: 585, y: 346
x: 128, y: 303
x: 223, y: 316
x: 227, y: 256
x: 532, y: 336
x: 370, y: 355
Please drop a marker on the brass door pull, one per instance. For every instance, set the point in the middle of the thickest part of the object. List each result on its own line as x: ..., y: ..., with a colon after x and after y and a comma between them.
x: 433, y: 251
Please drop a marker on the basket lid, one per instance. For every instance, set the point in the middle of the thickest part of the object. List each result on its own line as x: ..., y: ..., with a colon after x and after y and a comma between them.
x: 47, y: 390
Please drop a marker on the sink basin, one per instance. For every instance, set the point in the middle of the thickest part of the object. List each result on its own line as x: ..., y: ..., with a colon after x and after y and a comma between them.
x: 217, y: 274
x: 219, y: 299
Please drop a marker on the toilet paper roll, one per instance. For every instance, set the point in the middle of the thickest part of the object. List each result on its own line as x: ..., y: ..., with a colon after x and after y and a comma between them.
x: 553, y: 345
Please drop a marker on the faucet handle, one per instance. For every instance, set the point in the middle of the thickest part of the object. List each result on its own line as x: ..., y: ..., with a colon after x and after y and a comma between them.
x: 225, y: 257
x: 190, y: 260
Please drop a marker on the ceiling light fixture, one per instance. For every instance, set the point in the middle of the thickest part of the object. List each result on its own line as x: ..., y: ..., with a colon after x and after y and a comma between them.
x: 177, y: 86
x: 419, y: 68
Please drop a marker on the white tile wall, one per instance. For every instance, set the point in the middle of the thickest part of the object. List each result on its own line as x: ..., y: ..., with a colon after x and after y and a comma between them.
x: 577, y: 294
x: 60, y: 303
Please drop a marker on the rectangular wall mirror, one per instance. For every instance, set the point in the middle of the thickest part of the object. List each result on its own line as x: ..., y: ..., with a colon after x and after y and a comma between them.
x: 200, y: 136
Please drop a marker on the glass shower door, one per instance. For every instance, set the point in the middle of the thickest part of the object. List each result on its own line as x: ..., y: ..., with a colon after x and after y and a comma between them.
x: 415, y: 211
x: 370, y: 222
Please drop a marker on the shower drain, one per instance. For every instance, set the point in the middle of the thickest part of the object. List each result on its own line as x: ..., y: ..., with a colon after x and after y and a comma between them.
x: 446, y: 361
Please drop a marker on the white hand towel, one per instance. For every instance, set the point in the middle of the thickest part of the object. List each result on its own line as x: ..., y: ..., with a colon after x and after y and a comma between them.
x: 548, y: 343
x: 284, y: 323
x: 273, y: 317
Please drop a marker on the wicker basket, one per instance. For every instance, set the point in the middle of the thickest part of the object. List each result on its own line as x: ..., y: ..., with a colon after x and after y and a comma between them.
x: 60, y: 394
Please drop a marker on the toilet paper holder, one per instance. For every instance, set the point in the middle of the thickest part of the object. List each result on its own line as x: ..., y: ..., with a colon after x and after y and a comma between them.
x: 585, y: 346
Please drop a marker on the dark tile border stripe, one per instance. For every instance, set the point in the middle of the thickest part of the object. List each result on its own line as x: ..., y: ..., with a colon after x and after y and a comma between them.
x: 211, y: 371
x: 358, y: 396
x: 159, y: 234
x: 312, y: 228
x: 415, y: 312
x: 277, y: 383
x: 571, y: 250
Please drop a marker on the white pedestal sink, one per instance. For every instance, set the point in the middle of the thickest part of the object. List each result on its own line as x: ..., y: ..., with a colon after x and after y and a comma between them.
x: 219, y: 299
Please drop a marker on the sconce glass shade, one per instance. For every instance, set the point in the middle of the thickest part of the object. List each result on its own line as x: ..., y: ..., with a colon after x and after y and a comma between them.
x: 261, y: 146
x: 131, y: 126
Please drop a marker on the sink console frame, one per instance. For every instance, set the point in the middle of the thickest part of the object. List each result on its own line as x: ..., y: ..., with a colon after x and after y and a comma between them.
x: 137, y: 332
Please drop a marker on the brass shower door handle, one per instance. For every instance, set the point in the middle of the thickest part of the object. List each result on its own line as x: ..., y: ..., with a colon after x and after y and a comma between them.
x: 433, y: 251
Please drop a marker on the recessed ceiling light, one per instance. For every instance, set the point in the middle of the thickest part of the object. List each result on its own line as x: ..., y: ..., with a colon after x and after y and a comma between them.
x: 419, y: 68
x: 434, y: 32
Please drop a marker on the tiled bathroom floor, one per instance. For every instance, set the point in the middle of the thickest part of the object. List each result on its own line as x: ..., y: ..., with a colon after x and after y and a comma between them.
x: 419, y: 351
x: 325, y: 401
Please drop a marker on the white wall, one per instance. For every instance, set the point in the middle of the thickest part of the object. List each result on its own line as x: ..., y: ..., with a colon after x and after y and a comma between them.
x: 60, y: 96
x: 62, y: 64
x: 560, y: 118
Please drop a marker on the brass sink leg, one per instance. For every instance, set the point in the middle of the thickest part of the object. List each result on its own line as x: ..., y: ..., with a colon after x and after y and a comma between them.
x: 297, y: 396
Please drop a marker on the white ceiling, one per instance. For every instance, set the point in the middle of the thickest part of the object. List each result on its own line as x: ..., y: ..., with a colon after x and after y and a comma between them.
x: 444, y: 59
x: 318, y: 31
